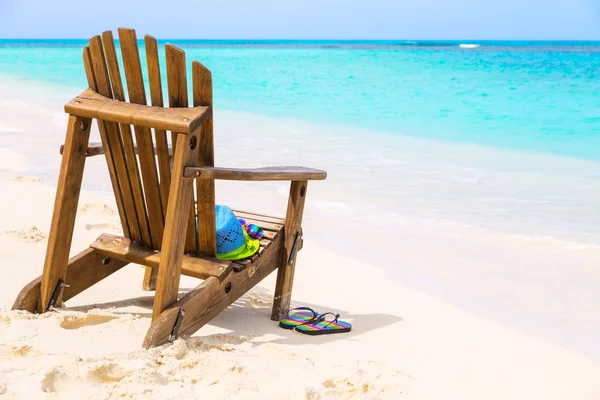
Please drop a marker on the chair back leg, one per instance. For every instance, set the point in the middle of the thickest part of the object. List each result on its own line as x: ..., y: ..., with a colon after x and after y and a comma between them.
x: 65, y: 209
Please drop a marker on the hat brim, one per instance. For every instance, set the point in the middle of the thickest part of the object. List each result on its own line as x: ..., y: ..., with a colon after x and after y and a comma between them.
x: 248, y: 249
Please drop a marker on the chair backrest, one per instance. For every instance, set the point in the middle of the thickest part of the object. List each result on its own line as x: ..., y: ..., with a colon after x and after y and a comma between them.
x: 141, y: 181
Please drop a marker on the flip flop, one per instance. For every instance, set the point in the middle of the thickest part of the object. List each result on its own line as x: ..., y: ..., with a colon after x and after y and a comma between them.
x: 304, y: 315
x: 320, y: 326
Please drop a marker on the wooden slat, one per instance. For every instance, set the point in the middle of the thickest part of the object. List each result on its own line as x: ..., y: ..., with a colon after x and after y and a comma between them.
x: 122, y: 248
x: 205, y: 188
x: 285, y: 272
x: 265, y: 225
x: 111, y: 137
x: 128, y: 145
x: 92, y: 105
x: 256, y: 174
x: 65, y: 207
x: 91, y: 78
x: 260, y: 217
x: 200, y: 308
x: 162, y: 150
x: 137, y: 95
x: 176, y: 224
x: 178, y: 97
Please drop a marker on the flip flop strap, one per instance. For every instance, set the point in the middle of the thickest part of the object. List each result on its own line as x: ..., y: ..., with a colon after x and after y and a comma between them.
x: 319, y: 319
x: 315, y: 315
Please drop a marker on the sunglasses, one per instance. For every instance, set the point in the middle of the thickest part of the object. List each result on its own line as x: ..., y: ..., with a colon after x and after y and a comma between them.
x: 254, y: 231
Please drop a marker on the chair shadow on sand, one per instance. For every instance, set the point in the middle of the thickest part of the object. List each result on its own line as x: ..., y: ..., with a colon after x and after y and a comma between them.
x: 254, y: 321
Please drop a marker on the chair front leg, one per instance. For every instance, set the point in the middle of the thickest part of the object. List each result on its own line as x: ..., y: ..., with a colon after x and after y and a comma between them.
x: 292, y: 231
x: 176, y: 224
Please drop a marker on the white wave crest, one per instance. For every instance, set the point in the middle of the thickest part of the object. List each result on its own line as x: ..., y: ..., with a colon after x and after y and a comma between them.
x: 468, y: 46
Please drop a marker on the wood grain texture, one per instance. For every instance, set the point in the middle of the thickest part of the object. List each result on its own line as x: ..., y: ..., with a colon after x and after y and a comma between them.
x: 129, y: 147
x: 256, y: 174
x: 29, y: 297
x: 97, y: 149
x: 93, y: 105
x: 191, y: 304
x: 205, y: 188
x: 137, y: 95
x: 83, y: 271
x: 285, y: 272
x: 112, y: 172
x: 178, y: 97
x: 111, y: 137
x: 200, y: 308
x: 121, y: 248
x: 162, y: 150
x: 65, y: 207
x: 176, y: 224
x: 259, y: 217
x: 86, y: 269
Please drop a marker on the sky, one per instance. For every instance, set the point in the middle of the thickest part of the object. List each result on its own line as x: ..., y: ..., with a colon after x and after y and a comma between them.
x: 306, y: 19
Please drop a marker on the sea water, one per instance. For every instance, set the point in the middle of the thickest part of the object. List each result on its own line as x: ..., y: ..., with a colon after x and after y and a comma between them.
x: 472, y: 172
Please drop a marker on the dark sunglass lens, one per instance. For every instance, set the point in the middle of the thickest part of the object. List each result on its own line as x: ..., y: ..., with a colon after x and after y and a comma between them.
x: 255, y: 231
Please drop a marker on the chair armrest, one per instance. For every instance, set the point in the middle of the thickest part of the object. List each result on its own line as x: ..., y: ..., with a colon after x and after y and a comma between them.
x: 256, y: 174
x: 90, y: 104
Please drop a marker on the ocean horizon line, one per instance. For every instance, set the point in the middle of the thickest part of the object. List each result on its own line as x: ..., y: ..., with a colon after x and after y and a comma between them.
x: 502, y: 42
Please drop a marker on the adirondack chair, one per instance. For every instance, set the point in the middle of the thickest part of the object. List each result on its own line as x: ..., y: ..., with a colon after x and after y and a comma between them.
x: 165, y: 228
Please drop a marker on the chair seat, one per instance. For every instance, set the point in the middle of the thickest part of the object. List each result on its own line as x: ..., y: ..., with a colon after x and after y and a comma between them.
x: 197, y: 266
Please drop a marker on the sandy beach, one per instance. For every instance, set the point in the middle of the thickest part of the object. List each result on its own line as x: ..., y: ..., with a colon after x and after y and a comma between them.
x: 404, y: 343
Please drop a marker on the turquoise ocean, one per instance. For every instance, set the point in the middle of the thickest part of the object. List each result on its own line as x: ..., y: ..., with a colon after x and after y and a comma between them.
x: 470, y: 170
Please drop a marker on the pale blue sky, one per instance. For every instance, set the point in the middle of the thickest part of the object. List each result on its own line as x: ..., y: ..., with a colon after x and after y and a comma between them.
x: 306, y: 19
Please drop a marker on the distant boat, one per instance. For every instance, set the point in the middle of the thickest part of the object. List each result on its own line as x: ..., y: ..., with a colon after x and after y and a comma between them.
x: 468, y: 46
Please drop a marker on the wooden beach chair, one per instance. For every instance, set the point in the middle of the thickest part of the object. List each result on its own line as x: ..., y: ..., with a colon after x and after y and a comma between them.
x: 168, y: 223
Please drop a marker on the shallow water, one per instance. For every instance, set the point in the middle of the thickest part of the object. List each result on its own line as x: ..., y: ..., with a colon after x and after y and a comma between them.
x: 473, y: 175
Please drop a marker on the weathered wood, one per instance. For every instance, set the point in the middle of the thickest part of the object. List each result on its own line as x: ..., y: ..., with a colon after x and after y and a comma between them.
x: 83, y: 271
x: 29, y: 297
x: 128, y: 145
x: 93, y: 105
x: 202, y: 307
x: 112, y: 172
x: 259, y: 217
x: 137, y: 95
x: 190, y: 304
x: 256, y: 174
x: 96, y: 149
x: 109, y: 131
x: 285, y: 271
x: 86, y: 269
x: 178, y: 97
x: 205, y: 188
x: 121, y: 248
x: 65, y: 207
x: 162, y: 150
x: 176, y: 224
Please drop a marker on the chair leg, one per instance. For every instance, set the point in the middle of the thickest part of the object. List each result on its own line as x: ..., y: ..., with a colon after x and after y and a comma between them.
x: 292, y: 233
x: 83, y: 271
x: 180, y: 197
x: 65, y: 209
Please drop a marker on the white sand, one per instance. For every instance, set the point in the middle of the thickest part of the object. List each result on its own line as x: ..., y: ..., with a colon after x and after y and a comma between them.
x: 404, y: 344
